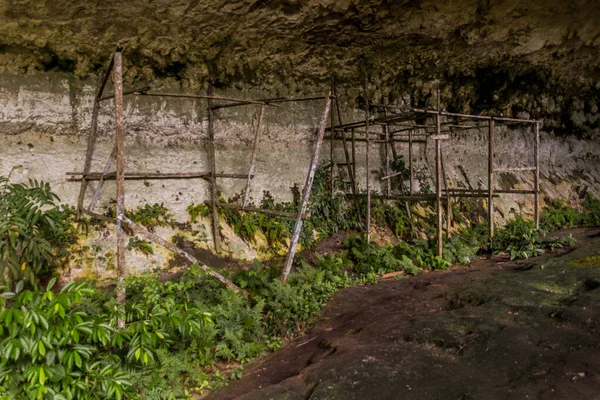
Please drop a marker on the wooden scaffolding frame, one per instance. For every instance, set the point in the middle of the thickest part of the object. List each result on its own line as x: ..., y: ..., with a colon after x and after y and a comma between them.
x: 406, y: 122
x: 118, y: 157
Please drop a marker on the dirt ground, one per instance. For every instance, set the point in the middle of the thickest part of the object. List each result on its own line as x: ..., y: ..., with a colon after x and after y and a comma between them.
x: 495, y: 330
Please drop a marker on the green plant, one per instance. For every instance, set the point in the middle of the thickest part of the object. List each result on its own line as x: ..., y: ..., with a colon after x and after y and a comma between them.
x: 53, y: 349
x: 152, y: 216
x: 143, y: 246
x: 198, y: 210
x: 30, y: 224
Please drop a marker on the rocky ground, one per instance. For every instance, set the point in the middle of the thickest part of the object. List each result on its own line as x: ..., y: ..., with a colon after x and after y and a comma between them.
x: 495, y: 330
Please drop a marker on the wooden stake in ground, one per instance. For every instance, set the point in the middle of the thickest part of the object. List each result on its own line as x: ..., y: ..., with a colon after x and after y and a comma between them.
x: 307, y: 190
x: 213, y: 172
x: 438, y: 183
x: 536, y: 183
x: 491, y: 178
x: 120, y: 158
x: 367, y: 116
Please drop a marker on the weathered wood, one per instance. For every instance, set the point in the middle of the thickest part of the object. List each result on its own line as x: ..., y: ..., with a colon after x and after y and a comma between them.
x: 170, y: 246
x: 213, y: 168
x: 253, y: 158
x: 491, y: 177
x: 94, y: 176
x: 439, y: 137
x: 126, y: 93
x: 438, y: 186
x: 196, y: 96
x: 410, y: 163
x: 387, y: 160
x: 92, y: 136
x: 350, y: 163
x: 253, y: 209
x: 367, y: 117
x: 448, y: 199
x: 514, y: 169
x: 307, y: 191
x: 120, y: 159
x: 536, y: 154
x: 108, y: 166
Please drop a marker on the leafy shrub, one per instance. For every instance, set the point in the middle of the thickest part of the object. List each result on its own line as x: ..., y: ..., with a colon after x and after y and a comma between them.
x: 53, y: 349
x: 198, y: 210
x: 152, y: 216
x: 143, y: 246
x: 30, y: 225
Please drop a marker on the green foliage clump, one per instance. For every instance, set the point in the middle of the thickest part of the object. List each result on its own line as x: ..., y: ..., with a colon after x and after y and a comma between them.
x: 52, y: 348
x: 141, y: 245
x: 152, y: 216
x: 35, y: 233
x: 369, y: 258
x: 421, y: 253
x: 198, y: 210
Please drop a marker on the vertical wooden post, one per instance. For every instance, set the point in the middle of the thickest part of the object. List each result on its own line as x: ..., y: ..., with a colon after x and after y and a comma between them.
x: 367, y: 117
x: 120, y: 161
x: 92, y: 137
x: 410, y: 162
x: 331, y: 141
x: 108, y: 166
x: 351, y: 166
x: 306, y: 192
x: 387, y: 159
x: 448, y: 199
x: 438, y: 186
x: 213, y: 172
x: 537, y: 175
x: 491, y: 177
x: 253, y: 158
x: 354, y: 156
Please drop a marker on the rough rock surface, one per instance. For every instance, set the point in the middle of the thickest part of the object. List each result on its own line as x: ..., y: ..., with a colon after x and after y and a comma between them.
x: 539, y: 57
x: 496, y: 330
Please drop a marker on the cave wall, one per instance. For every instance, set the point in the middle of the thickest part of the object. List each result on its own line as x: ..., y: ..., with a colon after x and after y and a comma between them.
x: 538, y: 59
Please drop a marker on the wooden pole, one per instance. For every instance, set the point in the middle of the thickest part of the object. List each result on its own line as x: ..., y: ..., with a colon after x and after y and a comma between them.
x: 388, y: 171
x: 92, y: 136
x: 537, y: 175
x: 367, y: 116
x: 448, y: 199
x: 410, y: 162
x: 491, y: 177
x: 350, y: 163
x: 108, y: 166
x: 170, y: 246
x: 331, y: 142
x: 120, y: 159
x: 307, y: 190
x: 213, y: 168
x: 438, y: 186
x: 253, y: 158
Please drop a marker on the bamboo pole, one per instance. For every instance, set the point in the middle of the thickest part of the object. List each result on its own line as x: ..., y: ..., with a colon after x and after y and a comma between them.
x: 491, y: 177
x: 92, y: 136
x: 307, y: 190
x: 213, y: 168
x: 120, y: 161
x: 331, y: 142
x: 253, y: 158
